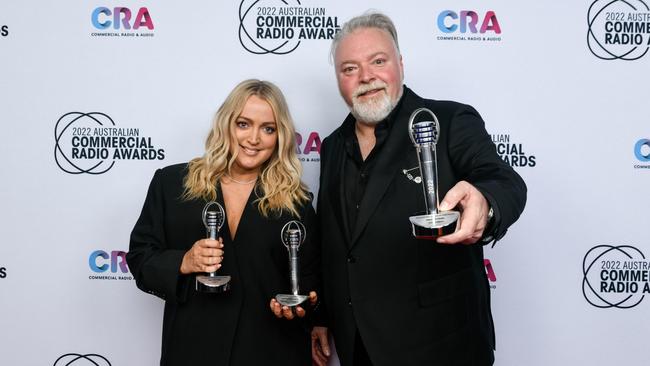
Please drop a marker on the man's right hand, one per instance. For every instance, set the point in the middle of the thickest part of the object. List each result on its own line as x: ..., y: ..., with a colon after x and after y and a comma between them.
x: 320, y: 347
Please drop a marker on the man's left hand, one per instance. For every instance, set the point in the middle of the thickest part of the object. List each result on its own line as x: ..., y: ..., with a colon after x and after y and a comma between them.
x: 473, y: 216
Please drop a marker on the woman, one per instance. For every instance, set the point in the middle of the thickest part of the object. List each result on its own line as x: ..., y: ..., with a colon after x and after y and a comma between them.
x: 250, y: 167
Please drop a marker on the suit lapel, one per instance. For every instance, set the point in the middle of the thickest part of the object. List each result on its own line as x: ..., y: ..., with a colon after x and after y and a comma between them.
x: 393, y: 153
x: 337, y: 184
x: 342, y: 216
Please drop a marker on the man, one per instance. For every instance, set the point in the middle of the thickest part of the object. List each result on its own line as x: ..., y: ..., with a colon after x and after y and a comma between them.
x: 391, y: 299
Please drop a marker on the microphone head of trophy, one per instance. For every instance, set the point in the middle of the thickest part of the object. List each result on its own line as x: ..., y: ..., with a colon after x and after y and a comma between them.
x: 424, y: 131
x: 292, y: 235
x: 213, y: 218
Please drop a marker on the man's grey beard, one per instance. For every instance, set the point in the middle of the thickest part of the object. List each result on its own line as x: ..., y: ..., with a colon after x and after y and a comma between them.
x: 374, y: 110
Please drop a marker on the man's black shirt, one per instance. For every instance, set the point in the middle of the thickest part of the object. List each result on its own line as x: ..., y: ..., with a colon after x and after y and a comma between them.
x: 357, y: 172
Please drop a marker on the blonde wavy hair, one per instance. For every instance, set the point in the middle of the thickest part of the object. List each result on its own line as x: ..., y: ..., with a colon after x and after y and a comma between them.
x: 279, y: 180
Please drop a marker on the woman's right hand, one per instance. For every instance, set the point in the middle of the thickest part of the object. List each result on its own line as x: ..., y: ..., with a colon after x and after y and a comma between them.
x: 205, y: 255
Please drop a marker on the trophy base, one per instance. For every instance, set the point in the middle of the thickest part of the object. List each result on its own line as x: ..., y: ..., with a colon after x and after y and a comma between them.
x: 291, y: 300
x: 212, y: 284
x: 432, y: 226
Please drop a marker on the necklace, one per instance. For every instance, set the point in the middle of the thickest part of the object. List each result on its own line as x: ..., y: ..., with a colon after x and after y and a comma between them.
x: 243, y: 182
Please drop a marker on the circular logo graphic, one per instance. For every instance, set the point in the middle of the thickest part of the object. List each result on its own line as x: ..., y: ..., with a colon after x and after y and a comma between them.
x: 75, y: 126
x: 615, y: 276
x: 618, y: 29
x: 642, y: 150
x: 75, y: 359
x: 90, y: 143
x: 259, y: 30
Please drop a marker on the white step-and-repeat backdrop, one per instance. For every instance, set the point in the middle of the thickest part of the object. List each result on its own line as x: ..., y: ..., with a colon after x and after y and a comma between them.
x: 562, y: 86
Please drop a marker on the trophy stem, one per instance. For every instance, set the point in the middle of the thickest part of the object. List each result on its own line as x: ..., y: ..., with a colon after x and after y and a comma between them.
x: 210, y: 282
x: 427, y: 159
x: 292, y: 238
x: 432, y: 223
x: 293, y: 265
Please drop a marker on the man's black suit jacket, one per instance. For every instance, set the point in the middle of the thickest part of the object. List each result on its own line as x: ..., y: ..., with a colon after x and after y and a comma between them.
x: 414, y: 302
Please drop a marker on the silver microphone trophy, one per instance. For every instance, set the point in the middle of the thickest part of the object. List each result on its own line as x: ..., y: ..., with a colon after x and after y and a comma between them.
x: 424, y: 135
x: 293, y: 235
x: 213, y: 221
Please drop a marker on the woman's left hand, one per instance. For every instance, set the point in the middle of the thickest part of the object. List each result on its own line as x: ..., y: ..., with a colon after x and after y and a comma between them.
x: 290, y: 312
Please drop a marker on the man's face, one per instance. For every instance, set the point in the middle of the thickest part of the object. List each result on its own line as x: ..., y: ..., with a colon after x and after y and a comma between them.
x: 369, y: 72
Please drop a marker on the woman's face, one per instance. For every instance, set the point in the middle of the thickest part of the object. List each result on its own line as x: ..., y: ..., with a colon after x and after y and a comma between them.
x: 256, y: 136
